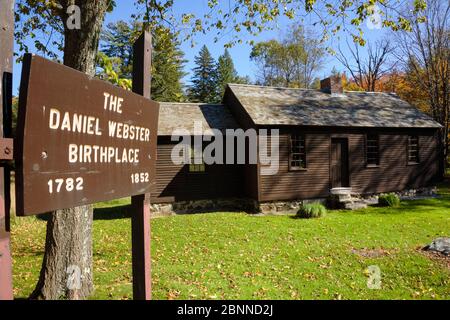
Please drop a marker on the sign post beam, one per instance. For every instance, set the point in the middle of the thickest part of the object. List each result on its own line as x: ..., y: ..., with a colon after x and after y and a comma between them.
x: 140, y: 220
x: 6, y: 61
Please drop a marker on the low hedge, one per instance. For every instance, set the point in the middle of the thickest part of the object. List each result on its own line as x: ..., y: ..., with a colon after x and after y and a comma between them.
x: 312, y: 210
x: 389, y: 200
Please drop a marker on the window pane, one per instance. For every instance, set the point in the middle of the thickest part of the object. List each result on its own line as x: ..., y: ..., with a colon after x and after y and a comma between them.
x: 194, y: 167
x: 297, y: 152
x: 413, y: 149
x: 372, y: 149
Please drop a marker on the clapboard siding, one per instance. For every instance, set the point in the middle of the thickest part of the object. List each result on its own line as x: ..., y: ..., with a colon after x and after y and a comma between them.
x: 393, y: 174
x: 176, y: 183
x: 310, y: 183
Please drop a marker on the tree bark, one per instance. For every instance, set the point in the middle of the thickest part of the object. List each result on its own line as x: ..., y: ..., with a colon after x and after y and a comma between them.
x: 66, y: 271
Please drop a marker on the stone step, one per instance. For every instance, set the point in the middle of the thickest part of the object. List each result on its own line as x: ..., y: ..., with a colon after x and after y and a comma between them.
x: 371, y: 201
x: 343, y: 197
x: 351, y: 200
x: 356, y: 205
x: 341, y: 191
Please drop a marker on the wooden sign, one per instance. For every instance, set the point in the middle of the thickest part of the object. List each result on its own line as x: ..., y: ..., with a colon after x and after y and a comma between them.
x: 6, y: 67
x: 80, y: 140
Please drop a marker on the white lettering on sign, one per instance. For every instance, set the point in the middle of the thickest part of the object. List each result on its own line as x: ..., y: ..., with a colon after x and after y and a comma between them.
x: 84, y: 124
x: 140, y: 177
x: 69, y: 185
x: 77, y: 123
x: 113, y: 103
x: 102, y: 154
x: 124, y: 131
x: 94, y: 154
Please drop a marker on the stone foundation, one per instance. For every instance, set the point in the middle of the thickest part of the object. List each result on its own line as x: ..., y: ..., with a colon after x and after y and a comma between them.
x: 284, y: 207
x: 420, y: 193
x: 272, y: 207
x: 409, y: 194
x: 357, y: 201
x: 203, y: 206
x: 279, y: 207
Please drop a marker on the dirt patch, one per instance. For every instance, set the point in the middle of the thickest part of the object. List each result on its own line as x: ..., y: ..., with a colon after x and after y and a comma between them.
x: 437, y: 257
x: 372, y: 253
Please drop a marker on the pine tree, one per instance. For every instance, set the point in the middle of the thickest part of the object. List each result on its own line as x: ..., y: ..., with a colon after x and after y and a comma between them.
x: 226, y: 73
x: 167, y: 58
x: 167, y: 67
x: 117, y: 43
x: 204, y: 81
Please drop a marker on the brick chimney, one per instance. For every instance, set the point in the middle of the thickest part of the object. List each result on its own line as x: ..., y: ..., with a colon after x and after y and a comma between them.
x: 332, y: 85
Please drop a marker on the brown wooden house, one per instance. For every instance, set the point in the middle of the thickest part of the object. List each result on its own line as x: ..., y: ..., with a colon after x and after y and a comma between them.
x: 371, y: 142
x: 181, y: 183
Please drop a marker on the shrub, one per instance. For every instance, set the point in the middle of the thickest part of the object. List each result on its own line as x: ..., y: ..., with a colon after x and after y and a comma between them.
x: 389, y: 200
x: 311, y: 210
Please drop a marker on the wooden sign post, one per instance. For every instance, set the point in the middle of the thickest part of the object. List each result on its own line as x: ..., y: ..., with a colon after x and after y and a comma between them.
x: 81, y: 140
x: 6, y: 152
x: 142, y: 290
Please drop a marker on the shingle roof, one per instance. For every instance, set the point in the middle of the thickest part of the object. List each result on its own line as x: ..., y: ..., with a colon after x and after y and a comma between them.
x: 286, y: 106
x: 183, y: 116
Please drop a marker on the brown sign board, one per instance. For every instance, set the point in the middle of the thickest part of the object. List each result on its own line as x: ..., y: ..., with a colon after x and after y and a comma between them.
x: 80, y: 140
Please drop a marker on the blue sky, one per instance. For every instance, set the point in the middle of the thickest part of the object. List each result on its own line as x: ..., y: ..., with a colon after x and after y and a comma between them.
x: 240, y: 53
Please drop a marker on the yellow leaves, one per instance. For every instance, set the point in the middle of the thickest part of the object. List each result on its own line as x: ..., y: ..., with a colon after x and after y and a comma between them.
x: 290, y: 14
x: 404, y: 24
x: 359, y: 40
x: 186, y: 18
x: 355, y: 21
x: 109, y: 71
x: 337, y: 296
x: 219, y: 24
x: 424, y: 292
x: 249, y: 274
x: 295, y: 295
x: 326, y: 265
x: 309, y: 5
x: 261, y: 293
x: 310, y: 276
x: 198, y: 26
x: 275, y: 12
x: 173, y: 294
x: 419, y: 5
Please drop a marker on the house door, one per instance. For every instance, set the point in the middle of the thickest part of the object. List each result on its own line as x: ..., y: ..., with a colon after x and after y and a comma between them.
x: 339, y: 163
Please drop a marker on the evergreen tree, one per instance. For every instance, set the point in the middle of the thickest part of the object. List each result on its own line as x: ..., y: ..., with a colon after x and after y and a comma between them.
x: 226, y: 73
x: 167, y: 67
x: 204, y: 81
x: 167, y: 59
x: 117, y: 44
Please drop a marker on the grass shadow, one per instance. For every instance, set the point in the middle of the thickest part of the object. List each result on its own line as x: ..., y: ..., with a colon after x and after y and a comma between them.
x: 113, y: 213
x: 44, y: 216
x: 103, y: 213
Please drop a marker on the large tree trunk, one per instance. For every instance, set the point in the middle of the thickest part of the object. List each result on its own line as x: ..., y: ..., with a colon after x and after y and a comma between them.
x: 67, y: 266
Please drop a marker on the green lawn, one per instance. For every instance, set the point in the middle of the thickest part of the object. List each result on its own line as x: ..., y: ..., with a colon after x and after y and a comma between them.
x: 239, y: 256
